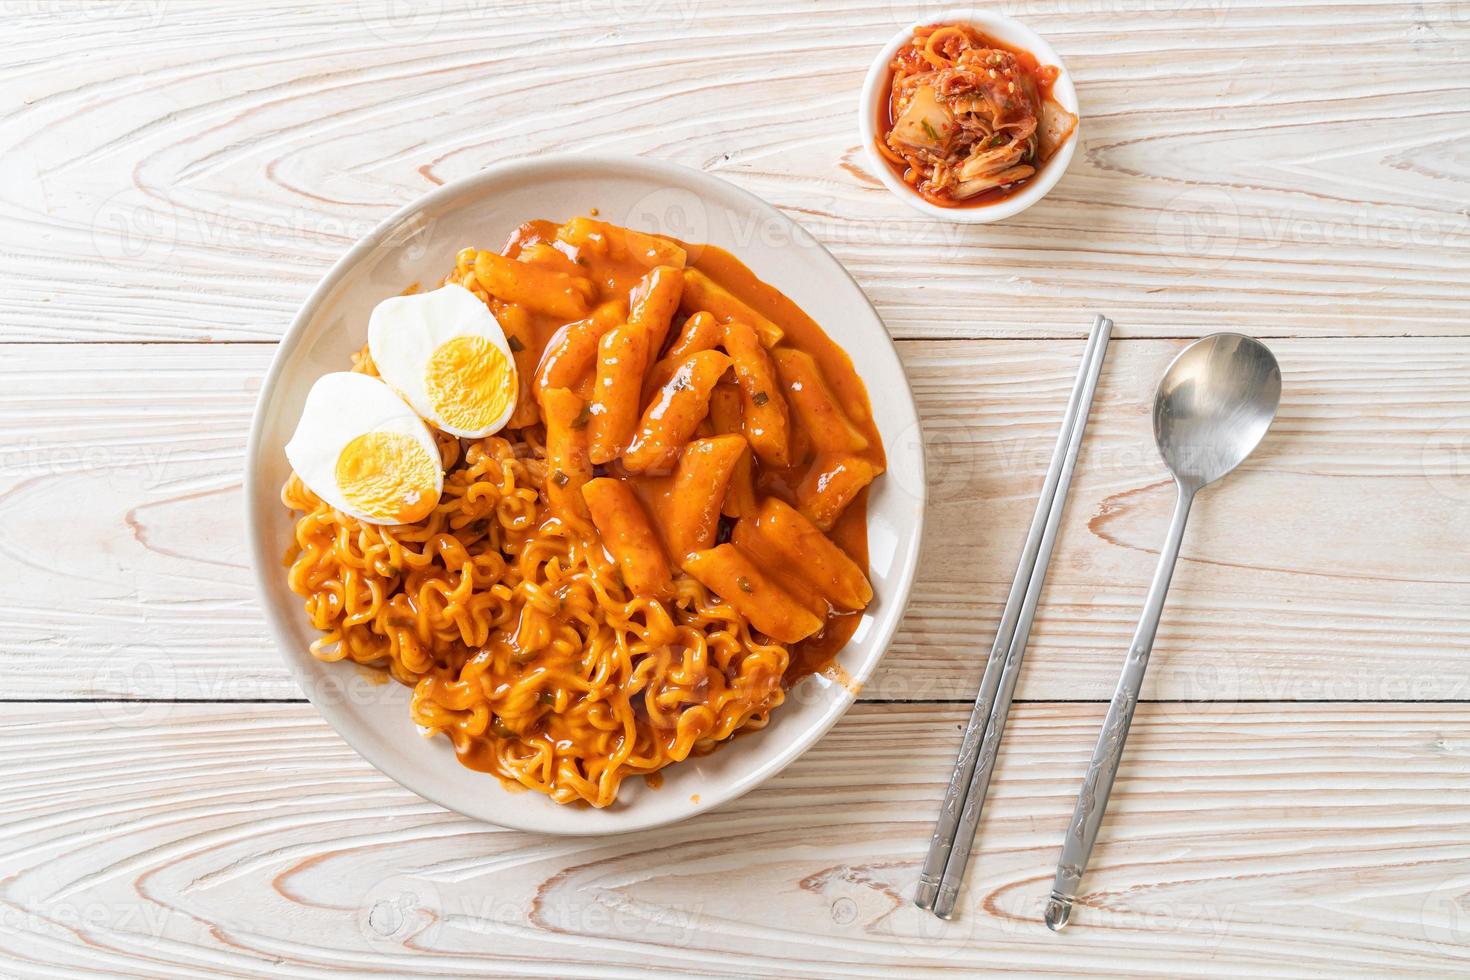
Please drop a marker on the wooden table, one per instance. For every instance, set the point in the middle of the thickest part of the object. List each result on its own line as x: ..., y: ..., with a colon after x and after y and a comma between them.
x: 174, y: 177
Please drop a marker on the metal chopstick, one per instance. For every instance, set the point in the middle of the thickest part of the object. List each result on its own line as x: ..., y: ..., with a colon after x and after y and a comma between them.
x: 959, y: 858
x: 942, y: 841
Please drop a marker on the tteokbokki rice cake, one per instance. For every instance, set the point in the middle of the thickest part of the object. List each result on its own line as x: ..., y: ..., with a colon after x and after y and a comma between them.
x: 599, y: 499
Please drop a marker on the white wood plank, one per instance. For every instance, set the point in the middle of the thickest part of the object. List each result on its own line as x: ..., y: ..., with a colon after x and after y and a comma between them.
x: 1310, y: 840
x: 188, y: 171
x: 1332, y: 566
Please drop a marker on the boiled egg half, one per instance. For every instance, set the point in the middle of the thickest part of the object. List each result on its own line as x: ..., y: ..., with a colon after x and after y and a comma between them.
x: 446, y: 354
x: 364, y: 452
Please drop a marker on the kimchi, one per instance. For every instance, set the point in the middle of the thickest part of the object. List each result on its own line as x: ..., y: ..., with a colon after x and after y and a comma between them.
x: 969, y: 121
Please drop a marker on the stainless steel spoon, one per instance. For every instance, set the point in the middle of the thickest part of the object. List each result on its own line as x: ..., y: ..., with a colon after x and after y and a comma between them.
x: 1213, y: 406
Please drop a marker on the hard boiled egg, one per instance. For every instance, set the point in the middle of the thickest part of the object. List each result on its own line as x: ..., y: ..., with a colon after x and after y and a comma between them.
x: 445, y: 353
x: 365, y: 452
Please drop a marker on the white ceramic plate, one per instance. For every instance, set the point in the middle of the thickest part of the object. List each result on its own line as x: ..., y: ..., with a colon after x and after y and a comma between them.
x: 418, y: 244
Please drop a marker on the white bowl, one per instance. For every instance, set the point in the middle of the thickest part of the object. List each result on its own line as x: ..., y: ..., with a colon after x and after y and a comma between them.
x: 418, y: 244
x: 1009, y: 31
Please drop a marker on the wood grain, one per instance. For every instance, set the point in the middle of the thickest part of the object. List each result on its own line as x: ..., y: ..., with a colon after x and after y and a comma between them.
x: 188, y: 171
x: 189, y: 839
x: 174, y: 178
x: 1351, y: 522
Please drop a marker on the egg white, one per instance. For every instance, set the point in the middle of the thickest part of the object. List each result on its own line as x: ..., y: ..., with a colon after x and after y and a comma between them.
x: 339, y: 408
x: 405, y: 331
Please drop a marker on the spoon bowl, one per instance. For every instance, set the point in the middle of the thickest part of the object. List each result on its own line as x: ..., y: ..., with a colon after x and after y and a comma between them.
x: 1214, y: 405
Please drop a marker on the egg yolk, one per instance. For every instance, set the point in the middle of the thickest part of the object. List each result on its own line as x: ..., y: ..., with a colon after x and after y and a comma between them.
x: 388, y: 476
x: 470, y: 383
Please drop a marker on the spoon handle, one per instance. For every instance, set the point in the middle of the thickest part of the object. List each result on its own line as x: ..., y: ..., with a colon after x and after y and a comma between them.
x: 1098, y: 784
